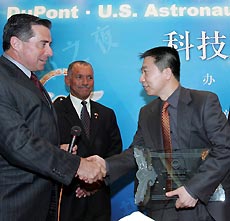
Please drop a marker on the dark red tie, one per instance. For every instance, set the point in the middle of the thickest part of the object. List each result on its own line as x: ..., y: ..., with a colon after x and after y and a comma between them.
x: 36, y: 82
x: 167, y: 143
x: 85, y: 118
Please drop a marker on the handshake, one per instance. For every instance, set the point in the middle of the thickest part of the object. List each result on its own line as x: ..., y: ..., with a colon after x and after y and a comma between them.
x: 91, y: 169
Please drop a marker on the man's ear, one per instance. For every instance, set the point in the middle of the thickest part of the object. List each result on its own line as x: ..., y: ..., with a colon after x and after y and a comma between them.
x: 67, y: 80
x: 168, y: 73
x: 15, y: 43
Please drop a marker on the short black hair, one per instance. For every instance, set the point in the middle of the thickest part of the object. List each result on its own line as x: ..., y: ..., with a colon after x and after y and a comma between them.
x: 165, y: 57
x: 81, y: 62
x: 20, y: 25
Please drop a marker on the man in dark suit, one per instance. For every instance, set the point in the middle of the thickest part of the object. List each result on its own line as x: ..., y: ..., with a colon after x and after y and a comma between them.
x: 31, y: 161
x: 104, y: 139
x: 196, y: 121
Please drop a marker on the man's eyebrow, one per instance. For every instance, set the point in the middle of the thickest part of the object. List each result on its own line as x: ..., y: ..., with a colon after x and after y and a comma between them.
x: 143, y: 67
x: 45, y: 41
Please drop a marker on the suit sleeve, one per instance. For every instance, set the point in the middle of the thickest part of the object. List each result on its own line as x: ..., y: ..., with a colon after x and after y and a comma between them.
x: 29, y: 137
x: 123, y: 163
x: 215, y: 167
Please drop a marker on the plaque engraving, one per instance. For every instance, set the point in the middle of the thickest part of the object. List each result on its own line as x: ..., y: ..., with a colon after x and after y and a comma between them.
x: 153, y: 172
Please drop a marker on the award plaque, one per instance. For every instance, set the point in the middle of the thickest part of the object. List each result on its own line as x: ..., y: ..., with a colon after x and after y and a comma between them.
x: 154, y: 172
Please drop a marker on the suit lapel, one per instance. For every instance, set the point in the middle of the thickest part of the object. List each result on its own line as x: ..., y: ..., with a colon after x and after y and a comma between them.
x: 154, y: 126
x: 44, y: 97
x: 94, y: 121
x: 24, y: 81
x: 184, y: 118
x: 47, y: 97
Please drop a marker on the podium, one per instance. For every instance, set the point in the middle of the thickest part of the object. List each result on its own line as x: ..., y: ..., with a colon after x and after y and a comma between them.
x: 153, y: 172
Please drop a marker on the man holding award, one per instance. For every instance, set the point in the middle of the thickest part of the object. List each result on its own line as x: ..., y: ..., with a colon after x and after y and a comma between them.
x: 185, y: 140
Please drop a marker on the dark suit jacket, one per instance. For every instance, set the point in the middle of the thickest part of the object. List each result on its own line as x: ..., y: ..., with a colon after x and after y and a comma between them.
x: 105, y: 140
x: 200, y: 124
x: 30, y: 157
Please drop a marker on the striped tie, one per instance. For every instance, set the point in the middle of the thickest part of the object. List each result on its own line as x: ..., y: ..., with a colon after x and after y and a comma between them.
x: 167, y: 143
x: 85, y: 118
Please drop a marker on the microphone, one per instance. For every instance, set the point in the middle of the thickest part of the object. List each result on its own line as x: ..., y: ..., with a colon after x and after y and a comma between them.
x: 75, y: 132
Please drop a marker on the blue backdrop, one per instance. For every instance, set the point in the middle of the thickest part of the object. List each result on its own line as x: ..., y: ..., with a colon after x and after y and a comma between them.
x: 111, y: 35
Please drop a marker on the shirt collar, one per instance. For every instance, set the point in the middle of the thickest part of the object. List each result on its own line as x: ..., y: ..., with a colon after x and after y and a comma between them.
x: 20, y: 66
x: 174, y: 97
x: 77, y: 103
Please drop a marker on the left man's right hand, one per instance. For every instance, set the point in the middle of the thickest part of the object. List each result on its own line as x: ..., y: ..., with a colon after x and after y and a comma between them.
x: 66, y: 147
x: 91, y: 169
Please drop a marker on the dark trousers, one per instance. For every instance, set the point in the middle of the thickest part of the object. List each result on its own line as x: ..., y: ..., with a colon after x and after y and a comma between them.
x: 105, y: 217
x: 199, y: 213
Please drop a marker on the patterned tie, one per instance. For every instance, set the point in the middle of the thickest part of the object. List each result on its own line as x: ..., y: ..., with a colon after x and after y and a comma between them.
x: 36, y: 82
x: 167, y: 143
x: 85, y: 118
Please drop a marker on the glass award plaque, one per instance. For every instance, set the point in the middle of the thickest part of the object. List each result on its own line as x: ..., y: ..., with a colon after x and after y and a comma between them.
x: 155, y: 171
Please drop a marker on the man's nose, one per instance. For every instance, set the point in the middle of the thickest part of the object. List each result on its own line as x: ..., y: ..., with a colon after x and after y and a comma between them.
x: 49, y: 51
x: 85, y: 80
x: 141, y: 79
